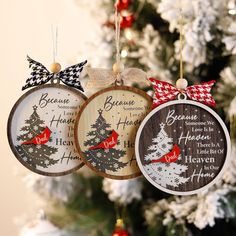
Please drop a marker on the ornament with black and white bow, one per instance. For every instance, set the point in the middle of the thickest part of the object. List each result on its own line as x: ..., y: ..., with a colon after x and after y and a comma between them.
x: 41, y: 123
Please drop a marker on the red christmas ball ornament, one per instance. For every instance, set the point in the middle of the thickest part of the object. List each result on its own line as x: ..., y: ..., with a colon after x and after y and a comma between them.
x: 126, y: 21
x: 122, y: 4
x: 119, y: 230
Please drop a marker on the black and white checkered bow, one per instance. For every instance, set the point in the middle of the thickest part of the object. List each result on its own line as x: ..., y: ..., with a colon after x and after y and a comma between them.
x: 40, y: 75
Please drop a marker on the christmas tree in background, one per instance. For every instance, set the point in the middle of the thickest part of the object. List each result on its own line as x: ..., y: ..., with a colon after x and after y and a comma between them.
x: 103, y: 159
x: 150, y: 41
x: 35, y: 155
x: 165, y: 174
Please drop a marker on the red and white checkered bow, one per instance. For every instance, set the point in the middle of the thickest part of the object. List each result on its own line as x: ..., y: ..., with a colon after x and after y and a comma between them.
x: 165, y: 92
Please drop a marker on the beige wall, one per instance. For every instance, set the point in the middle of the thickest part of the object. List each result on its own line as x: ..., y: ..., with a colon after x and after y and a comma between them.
x: 25, y: 28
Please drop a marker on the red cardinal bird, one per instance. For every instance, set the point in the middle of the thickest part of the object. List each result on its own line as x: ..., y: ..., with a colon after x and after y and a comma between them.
x: 109, y: 142
x: 172, y: 156
x: 41, y: 138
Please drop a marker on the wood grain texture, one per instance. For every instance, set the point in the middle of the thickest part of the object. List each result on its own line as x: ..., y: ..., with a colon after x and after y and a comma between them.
x: 59, y: 117
x: 123, y: 108
x: 202, y: 137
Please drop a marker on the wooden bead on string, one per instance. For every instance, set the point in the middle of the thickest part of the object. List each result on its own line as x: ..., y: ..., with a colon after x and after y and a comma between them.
x: 118, y: 67
x: 181, y: 84
x: 55, y: 67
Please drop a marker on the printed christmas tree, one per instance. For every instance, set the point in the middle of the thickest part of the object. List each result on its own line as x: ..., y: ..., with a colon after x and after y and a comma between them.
x: 103, y: 159
x: 35, y: 155
x: 165, y: 174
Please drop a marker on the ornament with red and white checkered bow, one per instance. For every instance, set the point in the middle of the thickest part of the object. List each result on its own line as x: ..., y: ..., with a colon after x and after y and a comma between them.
x: 165, y: 92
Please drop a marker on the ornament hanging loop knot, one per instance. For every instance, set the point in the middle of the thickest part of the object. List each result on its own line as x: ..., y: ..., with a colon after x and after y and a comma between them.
x: 182, y: 96
x: 119, y: 81
x: 55, y: 80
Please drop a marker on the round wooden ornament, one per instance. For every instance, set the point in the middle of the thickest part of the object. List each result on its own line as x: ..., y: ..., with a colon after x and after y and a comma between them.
x: 182, y: 147
x: 105, y: 130
x: 41, y: 129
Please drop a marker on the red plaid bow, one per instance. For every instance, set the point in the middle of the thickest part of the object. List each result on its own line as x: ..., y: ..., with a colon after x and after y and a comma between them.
x: 165, y: 92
